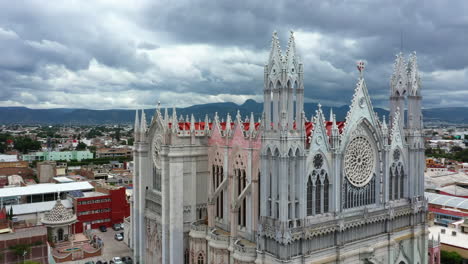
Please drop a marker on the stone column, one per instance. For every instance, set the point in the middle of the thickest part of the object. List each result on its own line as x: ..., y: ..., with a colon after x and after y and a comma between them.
x: 176, y: 217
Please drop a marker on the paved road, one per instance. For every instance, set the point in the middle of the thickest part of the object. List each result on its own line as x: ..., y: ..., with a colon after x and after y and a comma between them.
x: 112, y: 248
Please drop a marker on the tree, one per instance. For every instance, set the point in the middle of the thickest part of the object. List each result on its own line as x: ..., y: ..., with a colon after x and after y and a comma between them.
x: 456, y: 149
x: 450, y: 257
x: 25, y: 144
x: 81, y: 146
x: 92, y: 149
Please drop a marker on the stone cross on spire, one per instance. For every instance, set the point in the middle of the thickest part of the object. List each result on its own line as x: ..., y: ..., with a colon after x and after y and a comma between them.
x: 360, y: 66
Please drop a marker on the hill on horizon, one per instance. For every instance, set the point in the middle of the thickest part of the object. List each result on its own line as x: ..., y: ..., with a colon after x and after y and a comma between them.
x: 24, y: 115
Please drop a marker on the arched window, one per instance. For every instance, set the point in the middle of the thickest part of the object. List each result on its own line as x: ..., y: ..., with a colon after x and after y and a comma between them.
x: 309, y: 196
x: 156, y: 179
x: 201, y: 258
x: 395, y: 184
x: 390, y: 189
x: 318, y: 187
x: 402, y: 176
x: 325, y: 194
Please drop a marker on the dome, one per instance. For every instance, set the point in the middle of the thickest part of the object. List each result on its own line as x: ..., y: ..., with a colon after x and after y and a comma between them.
x: 59, y: 215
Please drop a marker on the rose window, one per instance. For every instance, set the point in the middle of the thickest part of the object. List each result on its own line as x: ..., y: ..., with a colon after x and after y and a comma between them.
x: 359, y: 162
x: 318, y: 161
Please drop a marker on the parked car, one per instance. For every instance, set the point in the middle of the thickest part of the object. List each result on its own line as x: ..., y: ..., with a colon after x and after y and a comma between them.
x: 103, y: 228
x: 89, y: 262
x: 118, y: 237
x: 117, y: 227
x: 116, y: 260
x: 101, y: 262
x: 127, y: 260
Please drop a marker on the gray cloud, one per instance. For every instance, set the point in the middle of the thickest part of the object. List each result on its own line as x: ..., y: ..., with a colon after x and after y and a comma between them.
x: 103, y: 54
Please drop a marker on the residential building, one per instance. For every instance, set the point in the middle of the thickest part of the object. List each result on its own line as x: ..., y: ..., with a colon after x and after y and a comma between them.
x: 59, y: 155
x: 113, y: 153
x: 16, y: 168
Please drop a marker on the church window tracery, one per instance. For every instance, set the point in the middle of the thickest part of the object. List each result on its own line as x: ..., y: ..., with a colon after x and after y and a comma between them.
x: 310, y: 199
x: 325, y: 194
x: 318, y: 187
x: 201, y: 258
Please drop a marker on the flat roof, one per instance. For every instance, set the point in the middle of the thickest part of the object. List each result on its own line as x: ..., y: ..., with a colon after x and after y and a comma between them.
x: 447, y: 200
x: 93, y: 194
x: 459, y: 240
x: 63, y: 179
x: 32, y: 208
x: 45, y: 188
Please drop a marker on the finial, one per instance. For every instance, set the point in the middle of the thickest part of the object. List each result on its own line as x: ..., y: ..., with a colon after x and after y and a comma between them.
x: 360, y: 66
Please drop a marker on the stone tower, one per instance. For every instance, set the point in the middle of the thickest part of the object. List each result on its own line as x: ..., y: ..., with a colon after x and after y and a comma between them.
x: 283, y: 141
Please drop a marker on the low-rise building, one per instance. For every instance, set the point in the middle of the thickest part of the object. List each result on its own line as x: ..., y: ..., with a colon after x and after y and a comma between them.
x: 35, y: 237
x: 8, y: 158
x: 105, y: 206
x: 447, y: 209
x: 16, y: 168
x: 451, y: 239
x: 113, y: 152
x: 58, y: 155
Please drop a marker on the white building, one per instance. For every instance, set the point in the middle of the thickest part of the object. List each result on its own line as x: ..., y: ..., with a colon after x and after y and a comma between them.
x: 285, y: 189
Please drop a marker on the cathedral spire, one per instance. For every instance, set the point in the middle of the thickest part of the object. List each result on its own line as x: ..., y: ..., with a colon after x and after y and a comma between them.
x: 252, y: 124
x: 192, y: 123
x: 207, y: 124
x: 175, y: 122
x: 136, y: 132
x: 228, y: 124
x: 166, y: 116
x: 143, y: 126
x: 414, y: 81
x: 291, y: 52
x: 399, y: 77
x: 275, y: 52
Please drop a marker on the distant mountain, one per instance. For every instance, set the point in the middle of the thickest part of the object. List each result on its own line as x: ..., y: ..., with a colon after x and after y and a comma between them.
x: 23, y: 115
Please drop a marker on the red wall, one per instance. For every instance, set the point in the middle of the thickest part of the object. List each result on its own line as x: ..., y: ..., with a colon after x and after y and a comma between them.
x: 118, y: 205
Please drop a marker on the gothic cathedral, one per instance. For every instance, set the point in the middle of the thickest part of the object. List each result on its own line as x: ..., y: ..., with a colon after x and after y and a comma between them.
x: 284, y: 189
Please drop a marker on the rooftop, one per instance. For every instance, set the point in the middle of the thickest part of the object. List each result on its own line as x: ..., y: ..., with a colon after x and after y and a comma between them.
x: 31, y: 208
x: 459, y: 240
x: 447, y: 201
x: 93, y: 194
x: 44, y: 188
x: 454, y: 190
x: 63, y: 179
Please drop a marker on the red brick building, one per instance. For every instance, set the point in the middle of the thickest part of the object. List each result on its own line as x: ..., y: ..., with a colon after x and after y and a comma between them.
x: 107, y: 205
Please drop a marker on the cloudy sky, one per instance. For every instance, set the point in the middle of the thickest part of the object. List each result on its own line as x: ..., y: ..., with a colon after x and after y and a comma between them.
x: 131, y: 54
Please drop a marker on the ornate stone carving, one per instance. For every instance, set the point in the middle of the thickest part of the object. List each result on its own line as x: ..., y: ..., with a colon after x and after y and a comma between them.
x: 157, y: 142
x: 359, y: 161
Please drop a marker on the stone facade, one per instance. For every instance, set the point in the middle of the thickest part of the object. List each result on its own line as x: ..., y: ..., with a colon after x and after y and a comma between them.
x: 284, y: 189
